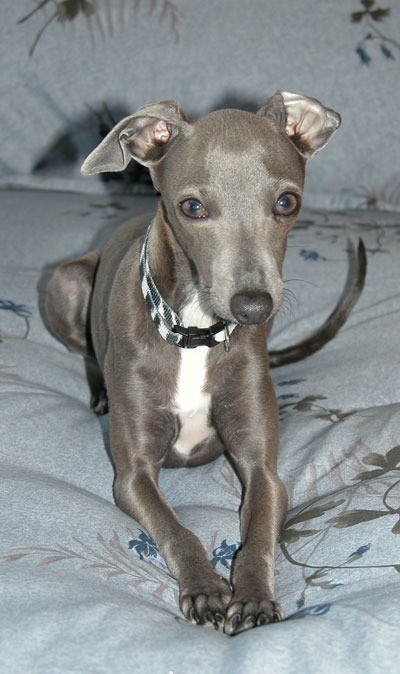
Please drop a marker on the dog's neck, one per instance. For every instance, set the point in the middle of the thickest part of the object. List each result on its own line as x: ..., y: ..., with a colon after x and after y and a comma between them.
x: 172, y: 328
x: 170, y: 267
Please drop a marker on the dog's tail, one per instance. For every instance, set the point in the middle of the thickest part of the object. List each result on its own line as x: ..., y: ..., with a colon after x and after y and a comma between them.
x: 352, y: 291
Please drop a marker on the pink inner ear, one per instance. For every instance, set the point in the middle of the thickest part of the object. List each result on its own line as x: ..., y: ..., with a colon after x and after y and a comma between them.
x: 297, y: 125
x: 291, y: 128
x: 162, y: 134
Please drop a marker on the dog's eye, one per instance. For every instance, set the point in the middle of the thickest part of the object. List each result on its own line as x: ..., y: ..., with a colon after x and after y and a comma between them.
x: 287, y: 204
x: 193, y: 209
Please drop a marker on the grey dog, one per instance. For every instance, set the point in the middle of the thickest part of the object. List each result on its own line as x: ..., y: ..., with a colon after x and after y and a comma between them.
x: 174, y: 314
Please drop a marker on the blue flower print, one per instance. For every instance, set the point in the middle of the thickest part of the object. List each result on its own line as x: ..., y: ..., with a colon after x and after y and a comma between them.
x: 357, y: 554
x: 317, y: 610
x: 370, y: 15
x: 18, y: 309
x: 144, y: 546
x: 224, y: 554
x: 363, y: 54
x: 386, y: 52
x: 311, y: 255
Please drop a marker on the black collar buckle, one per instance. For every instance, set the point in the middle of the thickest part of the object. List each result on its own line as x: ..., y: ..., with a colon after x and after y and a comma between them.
x: 193, y: 336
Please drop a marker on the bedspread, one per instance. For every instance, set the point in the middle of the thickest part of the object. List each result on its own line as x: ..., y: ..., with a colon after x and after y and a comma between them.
x: 83, y: 587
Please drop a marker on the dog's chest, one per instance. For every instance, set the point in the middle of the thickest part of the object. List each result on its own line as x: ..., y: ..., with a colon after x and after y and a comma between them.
x: 191, y: 401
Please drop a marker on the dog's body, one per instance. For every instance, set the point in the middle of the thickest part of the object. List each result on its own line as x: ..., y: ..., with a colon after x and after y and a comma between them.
x: 230, y: 188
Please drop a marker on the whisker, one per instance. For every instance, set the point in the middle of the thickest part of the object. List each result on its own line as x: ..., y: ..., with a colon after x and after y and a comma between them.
x: 299, y: 280
x: 204, y: 299
x: 290, y: 302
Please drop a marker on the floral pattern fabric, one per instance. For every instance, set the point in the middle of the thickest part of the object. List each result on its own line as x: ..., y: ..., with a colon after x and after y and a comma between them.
x: 73, y: 565
x: 73, y: 68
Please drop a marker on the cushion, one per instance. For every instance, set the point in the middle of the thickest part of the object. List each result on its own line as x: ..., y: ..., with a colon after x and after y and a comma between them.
x: 84, y: 588
x: 73, y: 69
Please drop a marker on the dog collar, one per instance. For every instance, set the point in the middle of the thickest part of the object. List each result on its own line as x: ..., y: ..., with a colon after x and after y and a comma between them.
x: 168, y: 323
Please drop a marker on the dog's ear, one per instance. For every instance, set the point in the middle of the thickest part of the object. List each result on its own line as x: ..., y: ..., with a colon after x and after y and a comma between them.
x: 144, y: 136
x: 307, y: 122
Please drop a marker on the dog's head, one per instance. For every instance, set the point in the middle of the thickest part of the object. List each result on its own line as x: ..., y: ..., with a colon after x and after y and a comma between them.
x: 231, y: 186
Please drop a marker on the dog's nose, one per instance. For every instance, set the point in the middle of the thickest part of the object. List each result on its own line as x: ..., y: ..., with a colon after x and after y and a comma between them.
x: 251, y: 307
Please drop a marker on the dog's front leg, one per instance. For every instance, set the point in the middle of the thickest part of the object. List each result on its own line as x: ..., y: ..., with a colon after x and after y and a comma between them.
x: 248, y: 423
x: 141, y: 431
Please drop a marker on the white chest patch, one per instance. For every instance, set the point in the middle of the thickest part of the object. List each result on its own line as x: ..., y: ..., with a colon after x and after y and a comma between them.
x: 191, y: 403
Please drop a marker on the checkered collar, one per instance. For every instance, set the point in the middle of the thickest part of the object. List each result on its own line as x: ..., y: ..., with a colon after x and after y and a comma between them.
x: 168, y: 323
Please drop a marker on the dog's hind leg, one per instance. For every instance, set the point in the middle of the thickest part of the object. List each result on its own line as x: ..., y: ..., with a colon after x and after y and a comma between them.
x: 68, y: 301
x: 99, y: 398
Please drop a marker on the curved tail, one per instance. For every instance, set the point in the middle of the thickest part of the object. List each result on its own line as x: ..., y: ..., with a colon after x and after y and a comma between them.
x: 352, y: 291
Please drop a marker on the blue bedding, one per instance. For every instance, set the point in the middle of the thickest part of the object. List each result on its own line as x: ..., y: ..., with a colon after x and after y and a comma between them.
x: 83, y: 587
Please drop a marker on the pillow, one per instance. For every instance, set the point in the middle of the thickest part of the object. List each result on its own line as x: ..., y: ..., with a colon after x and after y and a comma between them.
x: 72, y: 69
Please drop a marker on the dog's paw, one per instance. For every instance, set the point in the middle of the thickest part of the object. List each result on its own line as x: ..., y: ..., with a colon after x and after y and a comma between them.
x: 246, y: 613
x: 206, y: 604
x: 99, y: 402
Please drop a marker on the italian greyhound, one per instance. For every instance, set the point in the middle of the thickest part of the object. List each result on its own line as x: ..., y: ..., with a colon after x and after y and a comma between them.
x: 176, y: 311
